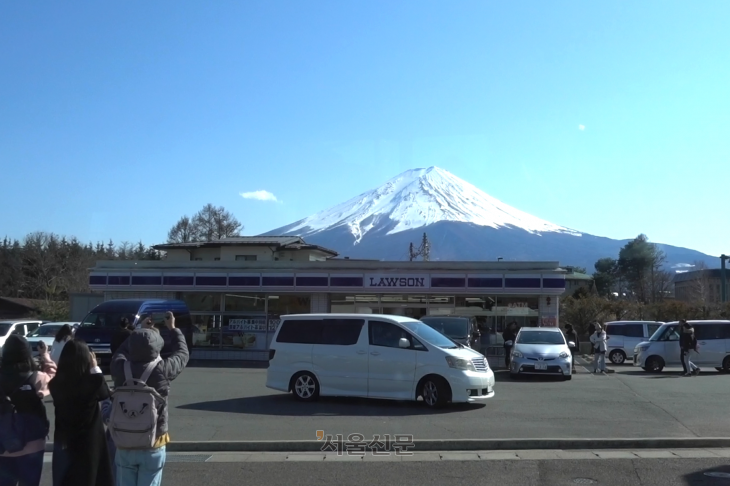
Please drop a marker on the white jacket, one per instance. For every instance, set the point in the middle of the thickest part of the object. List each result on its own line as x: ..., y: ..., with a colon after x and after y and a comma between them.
x: 56, y: 349
x: 599, y: 340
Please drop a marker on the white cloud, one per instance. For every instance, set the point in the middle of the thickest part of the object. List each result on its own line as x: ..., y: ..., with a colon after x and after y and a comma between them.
x: 581, y: 127
x: 259, y: 196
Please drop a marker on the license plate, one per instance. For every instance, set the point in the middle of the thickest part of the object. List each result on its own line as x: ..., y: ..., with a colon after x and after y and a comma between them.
x: 101, y: 351
x: 540, y: 366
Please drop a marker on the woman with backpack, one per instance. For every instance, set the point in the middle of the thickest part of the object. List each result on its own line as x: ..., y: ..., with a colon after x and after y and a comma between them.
x: 80, y: 454
x: 22, y: 388
x: 63, y: 335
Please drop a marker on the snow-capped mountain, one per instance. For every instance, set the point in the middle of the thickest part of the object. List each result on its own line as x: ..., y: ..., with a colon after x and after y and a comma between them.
x: 462, y: 223
x: 418, y: 198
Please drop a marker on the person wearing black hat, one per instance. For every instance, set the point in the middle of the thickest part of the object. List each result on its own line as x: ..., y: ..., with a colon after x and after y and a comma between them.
x: 21, y: 458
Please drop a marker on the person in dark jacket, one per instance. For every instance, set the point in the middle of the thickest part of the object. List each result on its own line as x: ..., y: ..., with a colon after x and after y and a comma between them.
x: 25, y: 386
x: 80, y: 454
x: 687, y: 344
x: 121, y: 335
x: 144, y: 467
x: 509, y: 335
x: 572, y: 336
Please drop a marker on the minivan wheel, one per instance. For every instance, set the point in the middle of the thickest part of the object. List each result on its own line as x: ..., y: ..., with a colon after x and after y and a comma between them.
x: 305, y: 387
x: 435, y: 392
x: 617, y: 357
x: 654, y: 364
x: 725, y: 365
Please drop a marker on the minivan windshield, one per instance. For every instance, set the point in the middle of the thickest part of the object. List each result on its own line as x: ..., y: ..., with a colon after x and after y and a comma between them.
x: 45, y: 331
x: 430, y: 335
x: 668, y: 332
x: 540, y: 337
x: 453, y: 327
x: 106, y: 319
x: 4, y: 328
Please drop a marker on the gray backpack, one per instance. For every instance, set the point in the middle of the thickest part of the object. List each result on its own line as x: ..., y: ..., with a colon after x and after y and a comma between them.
x: 133, y: 421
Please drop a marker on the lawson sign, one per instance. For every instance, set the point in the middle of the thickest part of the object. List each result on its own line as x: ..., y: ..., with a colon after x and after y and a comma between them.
x: 396, y: 281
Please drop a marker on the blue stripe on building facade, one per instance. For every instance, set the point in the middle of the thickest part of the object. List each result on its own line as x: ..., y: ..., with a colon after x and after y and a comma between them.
x: 553, y: 283
x: 485, y: 283
x: 97, y: 280
x: 250, y: 281
x: 346, y: 282
x: 146, y: 280
x: 211, y: 281
x: 522, y: 283
x: 448, y: 282
x: 312, y: 281
x: 116, y: 280
x: 278, y: 282
x: 178, y: 280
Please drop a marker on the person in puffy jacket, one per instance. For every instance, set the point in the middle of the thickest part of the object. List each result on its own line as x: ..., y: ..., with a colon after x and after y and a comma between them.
x: 25, y: 386
x: 143, y: 346
x: 599, y: 340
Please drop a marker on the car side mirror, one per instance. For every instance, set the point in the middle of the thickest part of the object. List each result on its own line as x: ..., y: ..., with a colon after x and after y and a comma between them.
x: 571, y: 344
x: 404, y: 343
x: 508, y: 343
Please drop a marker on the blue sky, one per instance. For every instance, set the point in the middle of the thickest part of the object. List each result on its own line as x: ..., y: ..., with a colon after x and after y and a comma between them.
x: 117, y: 119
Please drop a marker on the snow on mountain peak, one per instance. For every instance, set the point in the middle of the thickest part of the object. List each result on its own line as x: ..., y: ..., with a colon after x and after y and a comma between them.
x: 420, y: 197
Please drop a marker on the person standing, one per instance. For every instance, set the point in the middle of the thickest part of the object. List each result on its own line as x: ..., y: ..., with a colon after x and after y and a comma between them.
x: 599, y: 341
x: 80, y: 454
x: 140, y: 352
x: 572, y: 336
x: 121, y: 335
x: 45, y: 362
x: 687, y: 344
x: 63, y: 335
x: 24, y: 386
x: 509, y: 335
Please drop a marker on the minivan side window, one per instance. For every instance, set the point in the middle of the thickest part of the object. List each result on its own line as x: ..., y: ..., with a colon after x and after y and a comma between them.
x: 706, y: 332
x: 341, y: 332
x: 615, y: 330
x: 652, y: 328
x: 634, y: 330
x: 304, y: 331
x: 388, y: 335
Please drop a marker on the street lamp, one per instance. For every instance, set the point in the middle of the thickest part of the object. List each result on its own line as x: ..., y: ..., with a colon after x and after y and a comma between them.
x: 723, y: 278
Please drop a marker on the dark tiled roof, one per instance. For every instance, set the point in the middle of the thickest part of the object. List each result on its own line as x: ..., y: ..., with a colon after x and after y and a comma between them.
x: 32, y: 304
x: 280, y: 242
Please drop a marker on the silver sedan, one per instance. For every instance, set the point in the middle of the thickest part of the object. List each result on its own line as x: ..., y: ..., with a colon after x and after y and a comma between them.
x: 541, y: 351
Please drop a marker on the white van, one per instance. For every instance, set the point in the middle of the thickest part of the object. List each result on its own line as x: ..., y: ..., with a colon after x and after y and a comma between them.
x: 375, y: 356
x: 624, y: 336
x: 662, y: 349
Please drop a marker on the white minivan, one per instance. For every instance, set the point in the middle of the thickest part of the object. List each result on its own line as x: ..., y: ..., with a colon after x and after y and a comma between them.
x: 662, y: 349
x: 374, y: 356
x: 624, y: 336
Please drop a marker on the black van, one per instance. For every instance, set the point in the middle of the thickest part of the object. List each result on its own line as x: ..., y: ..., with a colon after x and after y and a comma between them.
x: 104, y: 320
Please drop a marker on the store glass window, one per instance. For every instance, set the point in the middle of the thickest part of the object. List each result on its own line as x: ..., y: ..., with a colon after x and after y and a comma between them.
x: 347, y: 303
x: 245, y: 302
x: 205, y: 333
x: 201, y: 301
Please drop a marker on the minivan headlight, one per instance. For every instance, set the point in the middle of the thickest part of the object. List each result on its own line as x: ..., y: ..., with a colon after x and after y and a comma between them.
x: 563, y: 354
x: 517, y: 354
x: 460, y: 363
x: 642, y: 348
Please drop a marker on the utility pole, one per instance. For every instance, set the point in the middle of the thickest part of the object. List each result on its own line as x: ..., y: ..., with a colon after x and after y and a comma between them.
x: 723, y: 278
x: 424, y: 250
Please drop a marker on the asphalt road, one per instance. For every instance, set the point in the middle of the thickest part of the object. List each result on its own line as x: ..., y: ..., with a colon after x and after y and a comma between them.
x: 644, y: 472
x: 234, y: 404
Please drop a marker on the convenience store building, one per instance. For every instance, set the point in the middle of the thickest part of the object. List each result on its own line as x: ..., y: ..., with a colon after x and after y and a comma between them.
x: 238, y: 288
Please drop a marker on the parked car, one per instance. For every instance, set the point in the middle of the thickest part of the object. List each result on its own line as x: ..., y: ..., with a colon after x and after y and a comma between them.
x: 104, y: 320
x: 624, y: 336
x: 462, y: 329
x: 375, y: 356
x: 541, y: 351
x: 662, y: 348
x: 21, y: 327
x: 46, y: 332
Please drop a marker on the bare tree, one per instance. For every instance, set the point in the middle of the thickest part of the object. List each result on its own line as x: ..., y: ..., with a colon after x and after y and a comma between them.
x: 699, y: 287
x: 184, y: 231
x: 214, y: 223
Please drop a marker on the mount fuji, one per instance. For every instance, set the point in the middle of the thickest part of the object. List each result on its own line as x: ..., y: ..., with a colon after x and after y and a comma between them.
x: 462, y: 223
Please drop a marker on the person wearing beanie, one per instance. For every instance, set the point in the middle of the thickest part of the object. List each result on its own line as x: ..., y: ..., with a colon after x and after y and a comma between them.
x: 25, y: 386
x: 136, y: 467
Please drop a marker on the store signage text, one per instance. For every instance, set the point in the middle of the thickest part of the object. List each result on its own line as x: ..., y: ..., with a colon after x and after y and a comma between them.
x: 396, y: 281
x: 252, y: 325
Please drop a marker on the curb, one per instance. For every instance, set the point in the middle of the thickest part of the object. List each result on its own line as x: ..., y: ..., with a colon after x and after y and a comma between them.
x: 431, y: 445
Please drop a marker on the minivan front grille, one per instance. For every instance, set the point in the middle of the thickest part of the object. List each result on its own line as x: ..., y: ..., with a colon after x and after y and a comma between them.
x: 480, y: 364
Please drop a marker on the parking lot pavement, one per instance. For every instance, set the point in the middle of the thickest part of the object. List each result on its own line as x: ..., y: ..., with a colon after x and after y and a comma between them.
x: 615, y: 472
x: 234, y: 404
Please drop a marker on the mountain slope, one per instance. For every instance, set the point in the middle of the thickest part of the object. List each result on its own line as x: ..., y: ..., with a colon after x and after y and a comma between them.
x: 462, y: 223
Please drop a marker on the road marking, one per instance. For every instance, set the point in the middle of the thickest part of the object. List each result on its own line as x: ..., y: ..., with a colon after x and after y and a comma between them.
x: 522, y: 455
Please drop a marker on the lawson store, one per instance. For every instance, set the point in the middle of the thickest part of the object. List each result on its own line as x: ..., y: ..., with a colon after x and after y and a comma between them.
x: 236, y: 298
